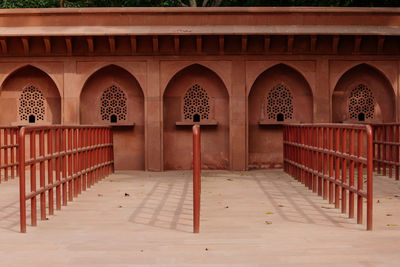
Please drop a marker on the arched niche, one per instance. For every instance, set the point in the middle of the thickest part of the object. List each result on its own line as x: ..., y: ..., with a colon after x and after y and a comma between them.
x: 363, y: 94
x: 279, y: 95
x: 112, y: 96
x: 30, y: 97
x: 177, y: 135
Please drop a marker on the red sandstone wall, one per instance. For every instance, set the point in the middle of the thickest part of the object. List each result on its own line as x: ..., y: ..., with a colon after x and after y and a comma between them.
x: 178, y: 139
x: 128, y: 140
x: 265, y: 141
x: 13, y: 87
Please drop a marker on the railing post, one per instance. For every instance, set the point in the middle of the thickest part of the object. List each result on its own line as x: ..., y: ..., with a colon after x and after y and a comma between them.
x: 196, y: 178
x: 369, y: 178
x: 21, y: 166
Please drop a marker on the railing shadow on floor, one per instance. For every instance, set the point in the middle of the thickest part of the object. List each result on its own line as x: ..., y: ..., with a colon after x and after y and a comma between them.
x: 295, y: 203
x: 168, y: 206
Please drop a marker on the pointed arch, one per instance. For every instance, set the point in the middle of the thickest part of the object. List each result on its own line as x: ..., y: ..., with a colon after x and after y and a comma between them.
x: 102, y: 67
x: 21, y: 67
x: 376, y: 98
x: 14, y: 94
x: 287, y: 65
x: 206, y: 67
x: 280, y: 94
x: 202, y: 91
x: 113, y: 96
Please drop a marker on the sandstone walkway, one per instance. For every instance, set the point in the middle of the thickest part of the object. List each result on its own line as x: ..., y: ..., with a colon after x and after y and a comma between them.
x: 255, y: 217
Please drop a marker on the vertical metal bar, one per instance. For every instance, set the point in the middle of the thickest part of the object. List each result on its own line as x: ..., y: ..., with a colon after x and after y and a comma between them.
x: 351, y: 175
x: 378, y: 138
x: 84, y: 158
x: 112, y: 150
x: 331, y: 165
x: 42, y: 177
x: 5, y: 154
x: 360, y: 178
x: 22, y: 193
x: 196, y: 178
x: 320, y: 155
x: 344, y: 171
x: 369, y: 178
x: 390, y: 127
x: 397, y: 140
x: 315, y: 157
x: 33, y: 176
x: 64, y: 166
x: 17, y: 150
x: 337, y: 168
x: 50, y: 170
x: 12, y: 132
x: 58, y: 165
x: 75, y: 161
x: 70, y: 183
x: 384, y: 139
x: 80, y: 159
x: 325, y: 165
x: 91, y: 138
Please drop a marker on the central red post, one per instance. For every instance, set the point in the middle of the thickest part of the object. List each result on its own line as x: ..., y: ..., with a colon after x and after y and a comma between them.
x: 196, y: 178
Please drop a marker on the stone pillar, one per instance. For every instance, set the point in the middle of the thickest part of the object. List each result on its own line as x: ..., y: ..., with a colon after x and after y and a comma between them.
x: 322, y: 99
x: 153, y: 118
x: 237, y: 116
x: 71, y: 94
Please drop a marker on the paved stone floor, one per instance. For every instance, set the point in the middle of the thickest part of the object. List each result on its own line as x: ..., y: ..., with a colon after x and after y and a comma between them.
x: 255, y: 217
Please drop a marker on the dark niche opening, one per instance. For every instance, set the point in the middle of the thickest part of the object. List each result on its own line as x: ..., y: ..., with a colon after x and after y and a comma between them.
x: 361, y: 116
x: 280, y: 117
x: 113, y: 118
x: 32, y: 118
x: 196, y: 118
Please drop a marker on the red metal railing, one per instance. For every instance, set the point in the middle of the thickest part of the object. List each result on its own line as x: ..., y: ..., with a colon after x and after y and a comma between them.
x: 196, y: 178
x: 327, y: 158
x: 64, y: 160
x: 386, y: 148
x: 8, y: 153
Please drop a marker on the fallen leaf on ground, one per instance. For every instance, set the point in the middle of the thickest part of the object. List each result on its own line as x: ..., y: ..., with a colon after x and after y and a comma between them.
x: 229, y: 179
x: 119, y: 206
x: 126, y: 194
x: 268, y: 212
x: 226, y: 207
x: 99, y: 195
x: 326, y: 207
x: 389, y: 214
x: 388, y: 198
x: 206, y: 249
x: 378, y: 201
x: 281, y: 206
x: 268, y: 222
x: 391, y: 224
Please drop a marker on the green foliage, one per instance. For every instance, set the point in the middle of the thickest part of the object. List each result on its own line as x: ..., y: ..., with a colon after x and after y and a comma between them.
x: 171, y: 3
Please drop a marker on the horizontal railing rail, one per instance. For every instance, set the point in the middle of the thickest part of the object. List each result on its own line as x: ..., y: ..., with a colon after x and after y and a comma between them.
x: 8, y: 152
x: 386, y: 143
x: 330, y: 160
x: 61, y: 161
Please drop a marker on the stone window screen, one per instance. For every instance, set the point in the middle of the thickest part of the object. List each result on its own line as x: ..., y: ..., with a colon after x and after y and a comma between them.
x: 32, y: 105
x: 196, y: 104
x: 113, y: 105
x: 361, y: 103
x: 278, y: 104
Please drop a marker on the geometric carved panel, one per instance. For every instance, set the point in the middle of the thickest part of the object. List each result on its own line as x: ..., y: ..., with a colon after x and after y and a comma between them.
x: 31, y: 104
x: 361, y: 103
x: 196, y: 103
x: 278, y: 104
x: 113, y: 104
